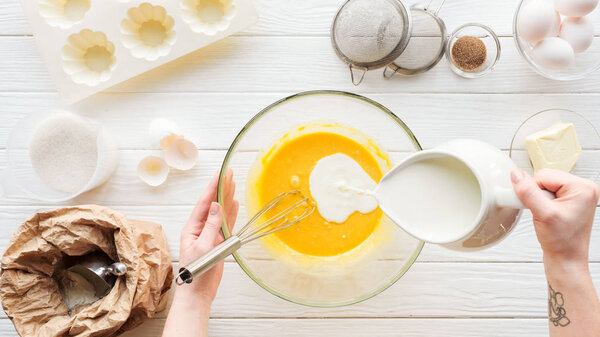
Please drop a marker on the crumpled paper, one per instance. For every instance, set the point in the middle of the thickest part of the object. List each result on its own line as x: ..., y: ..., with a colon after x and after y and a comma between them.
x: 30, y: 296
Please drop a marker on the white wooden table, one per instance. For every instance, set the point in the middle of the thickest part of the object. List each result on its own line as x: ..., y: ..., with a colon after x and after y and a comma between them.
x: 213, y: 92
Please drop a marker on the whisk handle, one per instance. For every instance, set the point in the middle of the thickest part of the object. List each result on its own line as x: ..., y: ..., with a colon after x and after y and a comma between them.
x: 208, y: 260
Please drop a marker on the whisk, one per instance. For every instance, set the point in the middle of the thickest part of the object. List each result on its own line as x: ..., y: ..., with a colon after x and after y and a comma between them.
x: 251, y: 231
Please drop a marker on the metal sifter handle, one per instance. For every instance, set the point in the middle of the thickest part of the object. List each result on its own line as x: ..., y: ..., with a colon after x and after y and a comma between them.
x: 357, y: 80
x: 208, y: 260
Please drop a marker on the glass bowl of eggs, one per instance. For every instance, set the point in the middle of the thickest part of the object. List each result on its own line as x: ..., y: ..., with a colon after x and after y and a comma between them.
x: 557, y: 37
x: 319, y: 262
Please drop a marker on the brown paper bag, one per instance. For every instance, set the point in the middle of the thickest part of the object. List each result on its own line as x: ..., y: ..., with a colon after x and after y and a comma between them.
x: 30, y: 296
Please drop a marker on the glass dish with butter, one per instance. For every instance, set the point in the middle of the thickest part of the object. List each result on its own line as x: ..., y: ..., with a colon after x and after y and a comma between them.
x: 558, y: 139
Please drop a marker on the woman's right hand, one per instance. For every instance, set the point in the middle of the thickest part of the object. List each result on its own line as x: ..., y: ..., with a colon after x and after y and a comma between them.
x: 563, y: 225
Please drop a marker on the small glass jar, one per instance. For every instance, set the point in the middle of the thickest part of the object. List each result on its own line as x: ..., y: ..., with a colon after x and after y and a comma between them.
x: 489, y: 39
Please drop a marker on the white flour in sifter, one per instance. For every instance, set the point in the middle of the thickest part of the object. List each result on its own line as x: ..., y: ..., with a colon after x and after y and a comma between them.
x: 64, y: 152
x: 340, y: 187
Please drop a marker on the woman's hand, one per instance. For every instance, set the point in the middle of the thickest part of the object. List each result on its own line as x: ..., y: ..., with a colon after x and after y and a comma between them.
x: 203, y: 232
x: 190, y: 309
x: 563, y: 226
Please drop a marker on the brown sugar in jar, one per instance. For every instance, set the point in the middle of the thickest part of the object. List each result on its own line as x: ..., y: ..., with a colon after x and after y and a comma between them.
x: 469, y: 53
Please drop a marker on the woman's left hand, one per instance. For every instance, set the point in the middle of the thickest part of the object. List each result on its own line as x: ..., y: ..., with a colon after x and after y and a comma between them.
x: 190, y: 310
x: 203, y: 232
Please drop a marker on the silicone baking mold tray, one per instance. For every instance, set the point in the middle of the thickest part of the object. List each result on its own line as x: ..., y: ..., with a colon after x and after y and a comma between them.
x: 90, y: 45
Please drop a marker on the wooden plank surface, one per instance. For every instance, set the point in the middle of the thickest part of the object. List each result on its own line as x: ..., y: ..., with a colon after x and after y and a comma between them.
x: 431, y: 290
x: 213, y: 92
x: 313, y: 17
x: 182, y: 187
x: 310, y: 17
x: 520, y: 246
x: 428, y: 290
x: 274, y: 64
x: 212, y: 120
x: 383, y: 327
x: 357, y: 327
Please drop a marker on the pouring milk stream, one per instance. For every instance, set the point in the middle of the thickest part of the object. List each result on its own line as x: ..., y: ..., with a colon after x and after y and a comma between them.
x: 458, y: 194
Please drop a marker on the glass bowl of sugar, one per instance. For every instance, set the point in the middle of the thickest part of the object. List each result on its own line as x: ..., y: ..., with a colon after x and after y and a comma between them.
x: 56, y: 156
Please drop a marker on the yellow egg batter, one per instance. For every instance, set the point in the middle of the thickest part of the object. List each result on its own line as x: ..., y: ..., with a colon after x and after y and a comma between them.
x: 287, y: 166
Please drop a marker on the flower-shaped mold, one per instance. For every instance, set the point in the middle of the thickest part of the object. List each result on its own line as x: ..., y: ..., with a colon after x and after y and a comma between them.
x: 63, y: 13
x: 147, y: 32
x: 207, y: 16
x: 88, y: 57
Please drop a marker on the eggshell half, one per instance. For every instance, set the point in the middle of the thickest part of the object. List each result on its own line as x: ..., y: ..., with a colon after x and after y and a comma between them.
x: 181, y: 154
x: 153, y: 170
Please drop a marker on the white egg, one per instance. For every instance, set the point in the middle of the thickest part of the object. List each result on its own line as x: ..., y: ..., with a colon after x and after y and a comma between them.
x: 579, y: 32
x: 575, y: 8
x: 553, y: 53
x: 538, y: 20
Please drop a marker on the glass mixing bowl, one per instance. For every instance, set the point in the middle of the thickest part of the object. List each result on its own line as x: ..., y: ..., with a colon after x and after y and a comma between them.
x: 585, y: 63
x: 339, y: 280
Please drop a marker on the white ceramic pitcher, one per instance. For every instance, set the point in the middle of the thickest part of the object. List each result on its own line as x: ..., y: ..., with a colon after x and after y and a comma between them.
x: 500, y: 207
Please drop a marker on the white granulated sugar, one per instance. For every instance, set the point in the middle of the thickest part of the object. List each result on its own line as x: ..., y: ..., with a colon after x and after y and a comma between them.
x: 64, y: 152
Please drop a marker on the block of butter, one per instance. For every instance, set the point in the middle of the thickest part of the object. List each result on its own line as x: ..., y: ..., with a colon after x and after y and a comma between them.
x: 556, y: 147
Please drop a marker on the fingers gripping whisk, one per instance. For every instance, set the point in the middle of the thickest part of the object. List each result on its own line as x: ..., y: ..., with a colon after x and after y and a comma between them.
x: 285, y: 210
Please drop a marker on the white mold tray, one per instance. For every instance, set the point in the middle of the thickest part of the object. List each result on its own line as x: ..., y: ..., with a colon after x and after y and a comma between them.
x: 90, y: 45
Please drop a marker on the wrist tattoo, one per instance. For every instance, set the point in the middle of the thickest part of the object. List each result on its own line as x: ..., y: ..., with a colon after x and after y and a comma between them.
x: 556, y: 308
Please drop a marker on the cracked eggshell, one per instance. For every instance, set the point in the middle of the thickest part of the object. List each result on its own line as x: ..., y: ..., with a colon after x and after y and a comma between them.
x: 161, y: 128
x: 575, y: 8
x: 63, y: 13
x: 148, y: 32
x: 167, y: 141
x: 207, y: 16
x: 579, y: 32
x: 88, y: 57
x: 153, y: 170
x: 181, y: 154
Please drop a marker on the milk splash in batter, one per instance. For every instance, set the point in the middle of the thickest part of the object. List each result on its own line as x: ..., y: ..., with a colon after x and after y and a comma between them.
x: 340, y: 187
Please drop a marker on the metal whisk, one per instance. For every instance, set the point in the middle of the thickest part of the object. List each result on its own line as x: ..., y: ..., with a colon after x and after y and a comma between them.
x: 251, y: 231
